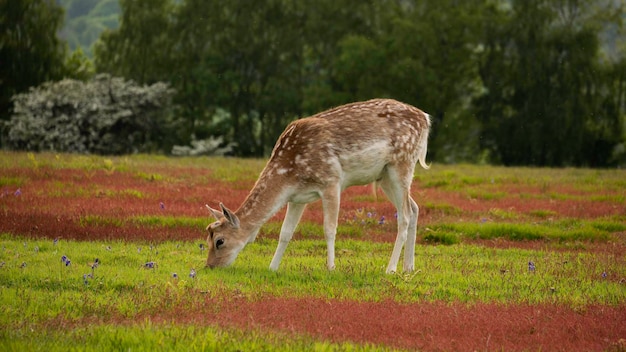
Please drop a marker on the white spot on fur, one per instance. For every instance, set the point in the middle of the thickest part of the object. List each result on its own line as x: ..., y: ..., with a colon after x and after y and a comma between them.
x: 300, y: 161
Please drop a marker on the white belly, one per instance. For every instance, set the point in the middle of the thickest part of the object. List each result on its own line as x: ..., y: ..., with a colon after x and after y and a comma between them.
x: 365, y: 165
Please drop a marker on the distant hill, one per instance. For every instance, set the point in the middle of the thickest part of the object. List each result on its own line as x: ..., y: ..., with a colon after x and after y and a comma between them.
x: 86, y: 19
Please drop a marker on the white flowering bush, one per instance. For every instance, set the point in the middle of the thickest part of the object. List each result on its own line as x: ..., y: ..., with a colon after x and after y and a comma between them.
x: 209, y: 146
x: 106, y: 115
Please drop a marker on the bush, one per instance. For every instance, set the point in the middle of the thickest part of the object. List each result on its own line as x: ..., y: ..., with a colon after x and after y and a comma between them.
x: 106, y: 115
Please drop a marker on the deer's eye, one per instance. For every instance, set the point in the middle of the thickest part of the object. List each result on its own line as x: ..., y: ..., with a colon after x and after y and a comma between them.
x: 219, y: 243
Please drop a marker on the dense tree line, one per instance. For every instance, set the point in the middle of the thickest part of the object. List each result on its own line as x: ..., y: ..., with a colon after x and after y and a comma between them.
x: 520, y: 82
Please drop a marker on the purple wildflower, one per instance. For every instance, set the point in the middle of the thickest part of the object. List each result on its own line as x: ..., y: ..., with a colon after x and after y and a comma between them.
x: 149, y: 265
x: 18, y: 192
x: 175, y: 276
x: 604, y: 274
x: 369, y: 214
x: 162, y: 205
x: 192, y: 273
x: 382, y: 220
x: 68, y: 262
x: 64, y: 259
x: 531, y: 266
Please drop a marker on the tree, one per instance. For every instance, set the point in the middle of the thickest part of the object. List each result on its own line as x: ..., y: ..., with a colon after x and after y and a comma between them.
x: 543, y: 96
x: 78, y: 66
x: 105, y: 115
x: 138, y: 49
x: 332, y: 28
x: 30, y: 52
x: 258, y: 50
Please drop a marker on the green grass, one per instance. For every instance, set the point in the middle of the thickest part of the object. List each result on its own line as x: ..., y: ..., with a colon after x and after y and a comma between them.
x: 166, y: 337
x: 442, y: 208
x: 11, y: 181
x: 144, y: 220
x: 483, y: 182
x: 565, y: 230
x: 169, y: 221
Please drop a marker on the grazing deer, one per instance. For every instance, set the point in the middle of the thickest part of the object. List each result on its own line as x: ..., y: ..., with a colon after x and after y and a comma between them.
x: 379, y: 140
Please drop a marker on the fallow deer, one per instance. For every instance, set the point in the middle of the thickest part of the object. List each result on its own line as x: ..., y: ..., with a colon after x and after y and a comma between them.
x: 317, y: 157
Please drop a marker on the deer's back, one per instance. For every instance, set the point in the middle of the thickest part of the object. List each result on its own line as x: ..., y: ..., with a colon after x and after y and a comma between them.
x: 353, y: 142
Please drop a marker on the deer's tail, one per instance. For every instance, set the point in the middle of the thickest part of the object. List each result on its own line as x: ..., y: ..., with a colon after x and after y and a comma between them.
x: 423, y: 143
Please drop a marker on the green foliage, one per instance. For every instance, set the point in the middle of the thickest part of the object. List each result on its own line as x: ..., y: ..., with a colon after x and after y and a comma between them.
x: 270, y: 62
x: 30, y: 50
x: 79, y: 66
x: 129, y: 51
x: 545, y: 100
x: 106, y: 115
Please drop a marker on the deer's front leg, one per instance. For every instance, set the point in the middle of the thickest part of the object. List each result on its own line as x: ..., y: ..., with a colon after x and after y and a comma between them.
x: 330, y: 202
x: 292, y: 217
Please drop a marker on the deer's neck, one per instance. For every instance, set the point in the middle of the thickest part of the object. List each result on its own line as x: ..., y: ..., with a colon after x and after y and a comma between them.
x: 264, y: 200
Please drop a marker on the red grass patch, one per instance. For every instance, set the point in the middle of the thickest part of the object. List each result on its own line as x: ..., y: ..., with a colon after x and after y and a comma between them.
x: 421, y: 326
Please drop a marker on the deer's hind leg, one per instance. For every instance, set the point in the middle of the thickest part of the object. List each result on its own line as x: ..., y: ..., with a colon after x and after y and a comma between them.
x: 396, y: 183
x: 409, y: 246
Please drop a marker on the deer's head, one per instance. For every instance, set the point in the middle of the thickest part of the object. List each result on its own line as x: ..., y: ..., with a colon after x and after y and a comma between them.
x: 224, y: 240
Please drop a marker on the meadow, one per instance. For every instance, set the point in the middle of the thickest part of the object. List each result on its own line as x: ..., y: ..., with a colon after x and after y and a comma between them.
x: 108, y: 253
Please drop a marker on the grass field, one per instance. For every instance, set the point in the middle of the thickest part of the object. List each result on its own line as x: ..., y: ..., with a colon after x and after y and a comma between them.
x: 108, y: 254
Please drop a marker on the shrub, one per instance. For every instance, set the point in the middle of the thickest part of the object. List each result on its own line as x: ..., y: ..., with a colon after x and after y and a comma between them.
x: 106, y: 115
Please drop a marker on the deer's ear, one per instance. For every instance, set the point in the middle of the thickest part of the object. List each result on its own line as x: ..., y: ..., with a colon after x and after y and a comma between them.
x: 216, y: 213
x: 230, y: 216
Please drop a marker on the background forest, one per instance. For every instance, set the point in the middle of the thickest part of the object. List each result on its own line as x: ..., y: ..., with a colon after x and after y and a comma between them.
x: 513, y: 82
